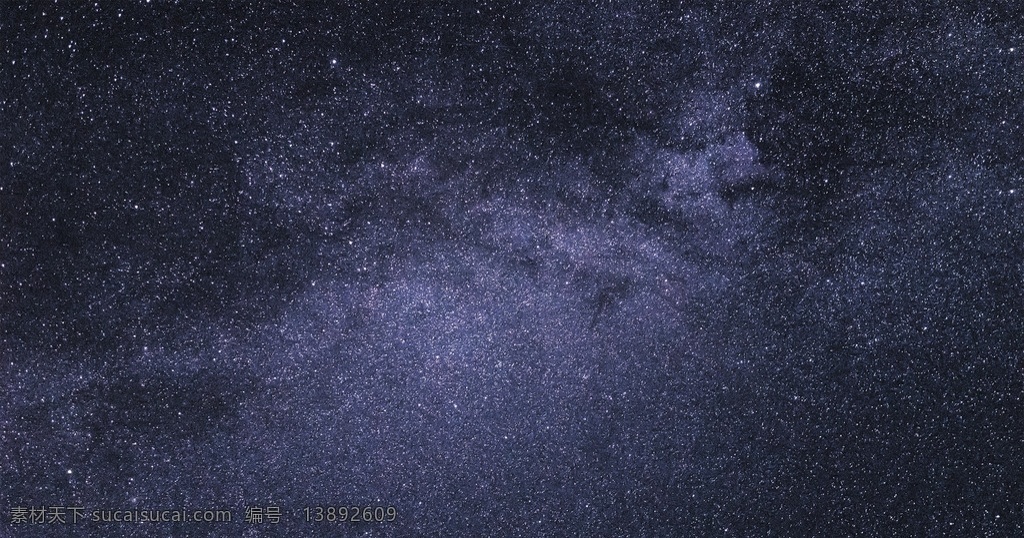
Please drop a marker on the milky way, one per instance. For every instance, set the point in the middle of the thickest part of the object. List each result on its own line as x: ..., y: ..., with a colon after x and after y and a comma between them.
x: 553, y: 269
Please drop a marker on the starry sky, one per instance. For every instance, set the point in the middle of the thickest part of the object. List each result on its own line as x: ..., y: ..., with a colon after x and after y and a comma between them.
x: 617, y: 268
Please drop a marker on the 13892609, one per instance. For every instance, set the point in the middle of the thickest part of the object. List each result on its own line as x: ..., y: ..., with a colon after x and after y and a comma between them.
x: 351, y: 513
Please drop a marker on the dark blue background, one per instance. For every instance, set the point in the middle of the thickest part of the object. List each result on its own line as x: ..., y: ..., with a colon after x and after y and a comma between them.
x: 553, y: 269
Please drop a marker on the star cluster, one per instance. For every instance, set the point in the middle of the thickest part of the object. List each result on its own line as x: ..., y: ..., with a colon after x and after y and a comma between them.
x: 544, y: 269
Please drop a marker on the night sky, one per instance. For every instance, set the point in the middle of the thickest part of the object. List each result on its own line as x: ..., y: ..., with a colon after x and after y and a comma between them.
x: 551, y: 269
